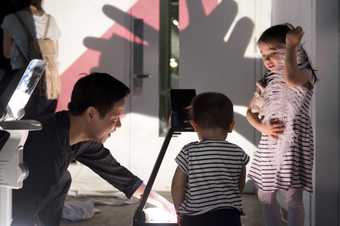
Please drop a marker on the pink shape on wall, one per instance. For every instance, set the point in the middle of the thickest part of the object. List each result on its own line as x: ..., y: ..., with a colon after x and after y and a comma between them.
x: 148, y: 10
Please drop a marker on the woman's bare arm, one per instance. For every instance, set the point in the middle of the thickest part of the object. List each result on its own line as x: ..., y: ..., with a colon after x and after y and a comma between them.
x: 7, y: 44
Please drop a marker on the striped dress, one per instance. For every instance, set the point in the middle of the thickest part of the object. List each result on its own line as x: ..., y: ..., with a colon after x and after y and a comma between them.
x: 285, y: 162
x: 213, y: 169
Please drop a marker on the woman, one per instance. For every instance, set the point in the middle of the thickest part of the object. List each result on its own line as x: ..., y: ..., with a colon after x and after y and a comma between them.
x: 21, y: 31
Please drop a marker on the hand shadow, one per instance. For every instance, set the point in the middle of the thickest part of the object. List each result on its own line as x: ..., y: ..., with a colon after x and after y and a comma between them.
x: 114, y: 58
x: 204, y: 55
x: 208, y: 63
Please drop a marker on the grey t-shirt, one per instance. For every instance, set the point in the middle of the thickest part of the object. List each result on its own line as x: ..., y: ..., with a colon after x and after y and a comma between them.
x: 36, y: 26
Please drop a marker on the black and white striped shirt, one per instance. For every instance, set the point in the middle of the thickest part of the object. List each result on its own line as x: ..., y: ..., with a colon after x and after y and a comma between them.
x: 286, y: 162
x: 213, y: 170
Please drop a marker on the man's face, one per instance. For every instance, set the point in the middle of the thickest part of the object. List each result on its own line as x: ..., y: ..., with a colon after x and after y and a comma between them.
x: 102, y: 127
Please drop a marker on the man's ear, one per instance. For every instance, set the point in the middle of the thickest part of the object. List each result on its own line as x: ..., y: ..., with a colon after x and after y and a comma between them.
x: 91, y: 113
x: 231, y: 126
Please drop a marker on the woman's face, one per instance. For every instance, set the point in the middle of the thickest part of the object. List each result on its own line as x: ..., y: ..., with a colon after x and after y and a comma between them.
x: 272, y: 59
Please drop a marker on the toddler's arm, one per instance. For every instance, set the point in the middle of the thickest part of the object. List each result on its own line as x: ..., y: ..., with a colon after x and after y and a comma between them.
x: 242, y: 178
x: 179, y: 182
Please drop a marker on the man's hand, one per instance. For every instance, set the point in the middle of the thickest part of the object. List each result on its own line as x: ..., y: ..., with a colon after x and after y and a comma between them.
x: 170, y: 208
x: 157, y: 200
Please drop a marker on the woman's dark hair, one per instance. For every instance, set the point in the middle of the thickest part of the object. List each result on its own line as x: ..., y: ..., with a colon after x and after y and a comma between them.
x: 98, y: 90
x: 212, y: 110
x: 37, y: 4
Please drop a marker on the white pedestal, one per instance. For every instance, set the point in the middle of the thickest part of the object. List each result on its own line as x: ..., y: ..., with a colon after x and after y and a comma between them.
x: 5, y: 206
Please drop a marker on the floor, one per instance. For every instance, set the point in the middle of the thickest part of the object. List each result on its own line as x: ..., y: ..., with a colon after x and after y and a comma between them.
x: 121, y: 214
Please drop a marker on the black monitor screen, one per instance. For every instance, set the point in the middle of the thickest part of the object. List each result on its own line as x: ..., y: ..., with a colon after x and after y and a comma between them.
x: 180, y: 107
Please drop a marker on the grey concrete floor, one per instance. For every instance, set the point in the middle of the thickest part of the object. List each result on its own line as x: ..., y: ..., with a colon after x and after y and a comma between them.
x: 122, y: 215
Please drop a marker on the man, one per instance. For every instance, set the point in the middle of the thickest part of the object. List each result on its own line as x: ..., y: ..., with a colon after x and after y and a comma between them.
x: 97, y: 103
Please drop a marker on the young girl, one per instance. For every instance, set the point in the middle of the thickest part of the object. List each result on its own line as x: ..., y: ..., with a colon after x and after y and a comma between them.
x: 284, y: 159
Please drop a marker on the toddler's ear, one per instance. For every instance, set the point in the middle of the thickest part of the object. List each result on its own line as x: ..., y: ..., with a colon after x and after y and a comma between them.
x: 193, y: 124
x: 231, y: 126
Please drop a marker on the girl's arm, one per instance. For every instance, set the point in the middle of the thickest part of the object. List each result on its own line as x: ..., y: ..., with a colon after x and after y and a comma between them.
x: 294, y: 76
x: 178, y: 185
x: 253, y: 118
x: 273, y: 129
x: 7, y: 44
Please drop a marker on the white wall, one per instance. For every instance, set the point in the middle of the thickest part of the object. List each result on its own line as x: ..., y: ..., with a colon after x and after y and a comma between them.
x: 79, y: 20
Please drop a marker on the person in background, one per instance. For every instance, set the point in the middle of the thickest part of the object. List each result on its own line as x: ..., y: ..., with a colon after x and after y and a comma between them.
x: 21, y: 30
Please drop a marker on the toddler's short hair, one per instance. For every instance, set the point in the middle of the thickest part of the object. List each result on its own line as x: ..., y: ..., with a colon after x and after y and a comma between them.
x: 212, y: 110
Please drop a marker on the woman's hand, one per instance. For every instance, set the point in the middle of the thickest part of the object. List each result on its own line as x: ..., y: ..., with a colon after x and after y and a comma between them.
x: 293, y: 38
x: 273, y: 129
x: 7, y: 45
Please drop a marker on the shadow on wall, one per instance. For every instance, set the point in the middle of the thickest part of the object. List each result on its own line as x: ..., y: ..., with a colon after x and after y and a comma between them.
x: 116, y: 50
x: 114, y: 55
x: 207, y: 62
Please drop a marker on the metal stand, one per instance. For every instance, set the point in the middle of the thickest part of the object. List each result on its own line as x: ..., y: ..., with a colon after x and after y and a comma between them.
x: 139, y: 217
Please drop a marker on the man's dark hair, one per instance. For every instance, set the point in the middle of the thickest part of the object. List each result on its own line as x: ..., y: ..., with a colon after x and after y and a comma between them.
x: 212, y: 110
x: 99, y: 90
